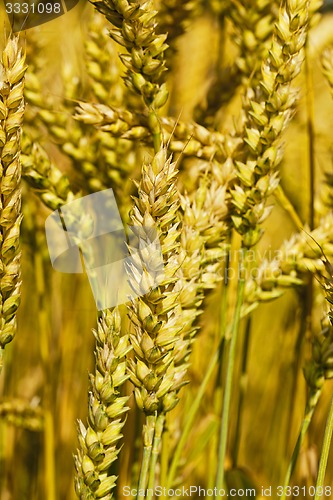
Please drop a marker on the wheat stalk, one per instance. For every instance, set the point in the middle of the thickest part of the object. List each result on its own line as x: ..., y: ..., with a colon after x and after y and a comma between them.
x: 268, y: 110
x: 12, y: 70
x: 98, y: 442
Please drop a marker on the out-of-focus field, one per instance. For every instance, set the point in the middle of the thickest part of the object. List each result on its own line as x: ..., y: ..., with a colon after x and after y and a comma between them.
x: 48, y: 362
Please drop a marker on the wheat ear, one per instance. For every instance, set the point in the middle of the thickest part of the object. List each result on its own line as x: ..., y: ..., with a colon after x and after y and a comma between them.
x: 12, y: 71
x: 98, y: 442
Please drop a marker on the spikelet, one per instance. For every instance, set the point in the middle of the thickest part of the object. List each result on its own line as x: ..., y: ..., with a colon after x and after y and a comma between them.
x: 47, y: 181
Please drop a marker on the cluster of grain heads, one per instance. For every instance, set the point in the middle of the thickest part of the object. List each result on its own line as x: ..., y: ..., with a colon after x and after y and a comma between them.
x: 99, y: 160
x: 12, y: 70
x: 118, y: 157
x: 163, y: 318
x: 192, y: 237
x: 202, y: 252
x: 117, y: 121
x: 190, y: 139
x: 205, y: 229
x: 253, y: 24
x: 135, y: 29
x: 86, y: 151
x: 98, y: 441
x: 269, y: 108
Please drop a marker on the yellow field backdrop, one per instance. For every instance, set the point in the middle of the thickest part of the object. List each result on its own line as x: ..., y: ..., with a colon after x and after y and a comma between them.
x: 46, y: 366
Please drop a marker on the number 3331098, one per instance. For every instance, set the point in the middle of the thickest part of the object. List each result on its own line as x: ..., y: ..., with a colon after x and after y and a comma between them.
x: 33, y: 8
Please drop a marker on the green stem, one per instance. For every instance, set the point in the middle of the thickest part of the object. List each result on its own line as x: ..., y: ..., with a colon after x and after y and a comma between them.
x: 148, y: 439
x: 196, y: 404
x: 164, y: 456
x: 307, y: 293
x: 229, y: 376
x: 190, y: 419
x: 305, y: 298
x: 195, y: 407
x: 218, y: 393
x: 286, y: 204
x: 49, y: 432
x: 324, y: 454
x: 242, y: 390
x: 305, y: 425
x: 223, y: 320
x: 212, y: 457
x: 154, y: 454
x: 193, y: 411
